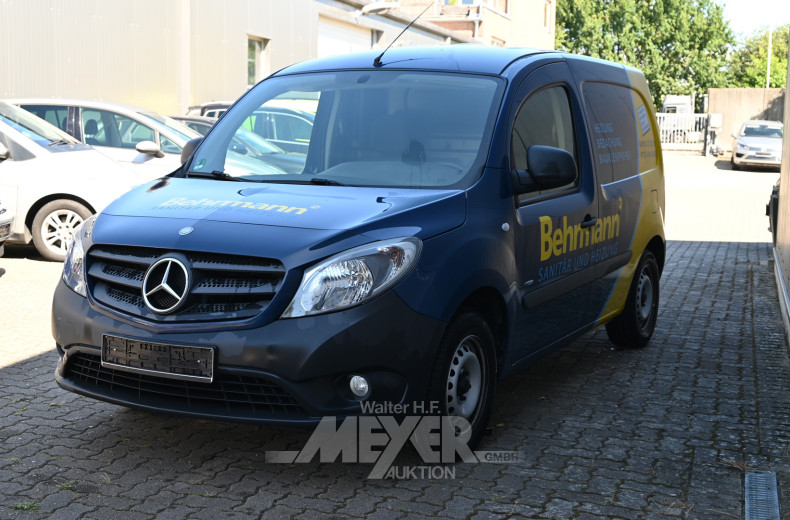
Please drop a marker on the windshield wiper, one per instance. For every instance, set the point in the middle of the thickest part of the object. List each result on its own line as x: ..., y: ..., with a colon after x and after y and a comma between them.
x: 216, y: 174
x: 58, y: 142
x: 323, y: 181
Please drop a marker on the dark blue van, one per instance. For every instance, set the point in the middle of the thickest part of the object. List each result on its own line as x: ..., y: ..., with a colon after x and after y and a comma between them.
x: 460, y: 211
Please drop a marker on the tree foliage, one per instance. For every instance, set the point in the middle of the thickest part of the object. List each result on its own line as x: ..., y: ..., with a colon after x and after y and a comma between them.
x: 680, y: 45
x: 749, y: 62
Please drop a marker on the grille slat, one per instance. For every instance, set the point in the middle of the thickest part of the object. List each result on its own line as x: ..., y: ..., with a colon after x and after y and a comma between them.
x: 223, y: 287
x: 230, y: 395
x: 115, y: 275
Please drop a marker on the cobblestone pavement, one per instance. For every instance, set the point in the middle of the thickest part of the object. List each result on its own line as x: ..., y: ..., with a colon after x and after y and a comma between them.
x: 659, y: 433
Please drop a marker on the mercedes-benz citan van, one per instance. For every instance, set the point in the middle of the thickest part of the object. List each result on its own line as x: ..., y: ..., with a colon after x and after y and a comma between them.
x: 460, y: 211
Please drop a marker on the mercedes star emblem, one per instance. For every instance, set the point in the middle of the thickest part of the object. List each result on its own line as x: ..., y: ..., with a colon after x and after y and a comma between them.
x: 166, y: 285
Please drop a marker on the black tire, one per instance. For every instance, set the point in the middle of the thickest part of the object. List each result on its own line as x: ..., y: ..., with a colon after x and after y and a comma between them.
x: 54, y: 225
x: 463, y: 378
x: 733, y: 165
x: 634, y: 327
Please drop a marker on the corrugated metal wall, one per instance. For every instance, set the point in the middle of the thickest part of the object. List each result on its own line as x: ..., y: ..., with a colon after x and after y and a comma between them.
x: 116, y: 51
x: 160, y: 55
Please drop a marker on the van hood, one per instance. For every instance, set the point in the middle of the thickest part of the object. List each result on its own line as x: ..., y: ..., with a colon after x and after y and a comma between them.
x: 274, y: 220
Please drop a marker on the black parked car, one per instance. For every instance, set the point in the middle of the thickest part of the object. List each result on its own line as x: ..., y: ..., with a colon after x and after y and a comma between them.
x: 772, y: 209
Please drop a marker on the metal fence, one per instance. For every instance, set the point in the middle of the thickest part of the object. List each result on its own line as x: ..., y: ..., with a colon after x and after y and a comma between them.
x: 682, y: 128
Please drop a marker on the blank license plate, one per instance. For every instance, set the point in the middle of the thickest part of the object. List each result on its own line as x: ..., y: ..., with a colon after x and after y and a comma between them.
x: 160, y: 359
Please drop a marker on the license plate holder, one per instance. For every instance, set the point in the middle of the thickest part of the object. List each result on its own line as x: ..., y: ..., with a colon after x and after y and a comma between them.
x: 158, y: 359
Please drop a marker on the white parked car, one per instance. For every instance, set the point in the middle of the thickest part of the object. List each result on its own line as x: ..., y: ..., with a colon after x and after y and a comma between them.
x: 6, y: 223
x: 758, y: 143
x: 146, y: 139
x: 50, y: 182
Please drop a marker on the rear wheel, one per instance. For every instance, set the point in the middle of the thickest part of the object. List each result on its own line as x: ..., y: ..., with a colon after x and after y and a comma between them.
x: 634, y: 327
x: 54, y: 225
x: 463, y: 378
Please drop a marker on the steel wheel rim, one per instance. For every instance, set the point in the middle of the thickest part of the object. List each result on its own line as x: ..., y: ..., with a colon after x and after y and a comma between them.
x: 465, y: 379
x: 57, y: 229
x: 644, y: 299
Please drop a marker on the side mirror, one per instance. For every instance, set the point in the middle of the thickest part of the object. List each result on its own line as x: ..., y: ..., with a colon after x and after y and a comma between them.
x: 4, y: 152
x: 547, y: 168
x: 149, y: 148
x: 189, y: 149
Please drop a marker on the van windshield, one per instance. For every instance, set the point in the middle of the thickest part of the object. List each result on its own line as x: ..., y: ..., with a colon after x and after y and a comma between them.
x: 401, y: 129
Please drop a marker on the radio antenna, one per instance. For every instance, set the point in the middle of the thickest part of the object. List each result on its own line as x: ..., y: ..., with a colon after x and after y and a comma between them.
x: 377, y: 61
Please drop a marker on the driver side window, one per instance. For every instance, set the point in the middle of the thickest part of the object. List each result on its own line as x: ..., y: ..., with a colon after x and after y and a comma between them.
x: 543, y: 119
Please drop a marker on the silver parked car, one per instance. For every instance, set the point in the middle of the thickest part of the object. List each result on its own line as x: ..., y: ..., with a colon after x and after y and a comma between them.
x: 50, y: 182
x: 145, y: 139
x: 758, y: 143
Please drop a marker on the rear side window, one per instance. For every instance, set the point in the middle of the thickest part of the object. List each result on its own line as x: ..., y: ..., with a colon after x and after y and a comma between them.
x: 106, y: 128
x: 54, y: 115
x: 623, y: 141
x: 544, y: 119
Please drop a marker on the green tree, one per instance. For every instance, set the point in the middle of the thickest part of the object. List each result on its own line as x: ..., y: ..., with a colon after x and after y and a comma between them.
x: 749, y: 62
x: 680, y: 45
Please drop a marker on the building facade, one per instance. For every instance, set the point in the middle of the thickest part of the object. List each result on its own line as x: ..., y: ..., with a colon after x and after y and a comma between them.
x: 167, y: 56
x: 503, y: 23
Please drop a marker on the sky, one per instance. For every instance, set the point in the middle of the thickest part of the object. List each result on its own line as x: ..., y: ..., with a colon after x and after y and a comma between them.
x: 746, y: 16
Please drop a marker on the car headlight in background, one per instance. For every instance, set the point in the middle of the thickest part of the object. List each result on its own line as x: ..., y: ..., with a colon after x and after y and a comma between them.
x: 354, y: 276
x: 74, y: 265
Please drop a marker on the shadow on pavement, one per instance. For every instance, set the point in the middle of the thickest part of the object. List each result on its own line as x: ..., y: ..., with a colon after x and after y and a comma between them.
x: 22, y: 251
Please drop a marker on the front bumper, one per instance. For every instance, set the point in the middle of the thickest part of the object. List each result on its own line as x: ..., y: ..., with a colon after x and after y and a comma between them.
x: 749, y: 158
x: 287, y: 372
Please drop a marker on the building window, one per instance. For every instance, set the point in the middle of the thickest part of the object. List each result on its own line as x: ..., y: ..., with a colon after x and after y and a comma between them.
x: 257, y: 64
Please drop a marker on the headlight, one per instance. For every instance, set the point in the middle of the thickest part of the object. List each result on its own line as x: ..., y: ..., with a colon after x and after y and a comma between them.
x: 354, y: 276
x: 74, y: 265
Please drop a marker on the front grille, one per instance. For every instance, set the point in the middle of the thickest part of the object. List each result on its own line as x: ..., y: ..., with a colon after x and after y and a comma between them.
x: 224, y: 287
x: 230, y: 396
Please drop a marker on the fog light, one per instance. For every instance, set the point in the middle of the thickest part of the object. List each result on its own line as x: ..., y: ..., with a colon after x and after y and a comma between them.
x: 359, y: 386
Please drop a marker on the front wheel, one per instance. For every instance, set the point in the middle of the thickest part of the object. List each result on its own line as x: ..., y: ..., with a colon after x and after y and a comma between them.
x: 634, y: 327
x: 54, y: 225
x: 463, y: 378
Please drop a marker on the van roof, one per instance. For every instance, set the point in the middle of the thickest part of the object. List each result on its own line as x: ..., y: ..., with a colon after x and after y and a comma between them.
x: 461, y: 57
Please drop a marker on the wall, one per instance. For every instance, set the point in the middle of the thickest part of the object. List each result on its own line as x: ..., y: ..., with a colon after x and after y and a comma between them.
x: 79, y: 49
x: 742, y: 104
x: 218, y: 37
x: 160, y: 55
x: 782, y: 249
x: 169, y: 55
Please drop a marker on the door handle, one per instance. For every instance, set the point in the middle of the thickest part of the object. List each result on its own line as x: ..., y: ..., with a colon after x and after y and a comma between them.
x: 589, y: 221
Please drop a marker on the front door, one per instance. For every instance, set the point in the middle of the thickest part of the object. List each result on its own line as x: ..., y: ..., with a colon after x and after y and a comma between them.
x: 555, y: 230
